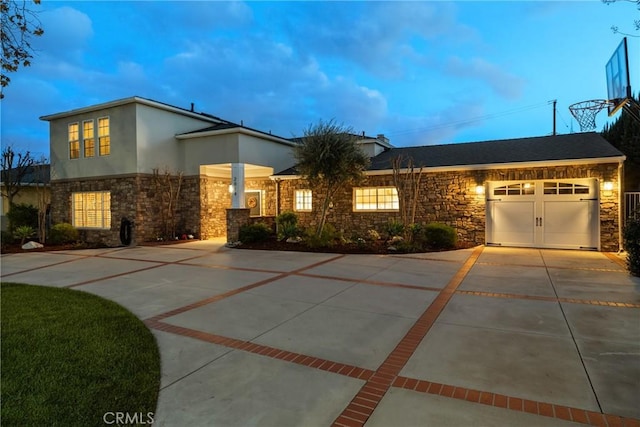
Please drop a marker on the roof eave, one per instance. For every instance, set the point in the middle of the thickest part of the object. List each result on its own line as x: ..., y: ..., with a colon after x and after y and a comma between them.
x: 239, y: 129
x: 511, y: 165
x: 130, y: 100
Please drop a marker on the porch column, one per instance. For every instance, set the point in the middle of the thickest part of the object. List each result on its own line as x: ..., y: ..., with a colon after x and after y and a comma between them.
x: 237, y: 185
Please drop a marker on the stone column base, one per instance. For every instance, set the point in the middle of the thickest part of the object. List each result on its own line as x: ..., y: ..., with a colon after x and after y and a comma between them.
x: 236, y: 218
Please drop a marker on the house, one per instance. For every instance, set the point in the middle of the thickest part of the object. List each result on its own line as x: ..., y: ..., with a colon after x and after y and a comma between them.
x: 103, y: 157
x: 34, y: 189
x: 559, y: 191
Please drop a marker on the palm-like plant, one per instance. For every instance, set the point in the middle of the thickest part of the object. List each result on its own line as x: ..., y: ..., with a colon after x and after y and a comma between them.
x: 329, y: 158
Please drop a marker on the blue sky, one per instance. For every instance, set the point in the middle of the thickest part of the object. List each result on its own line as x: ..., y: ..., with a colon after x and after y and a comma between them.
x: 419, y: 72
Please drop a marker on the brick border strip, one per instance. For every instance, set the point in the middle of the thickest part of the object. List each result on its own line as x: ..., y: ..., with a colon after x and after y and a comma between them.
x: 232, y: 292
x: 367, y: 399
x: 616, y: 259
x: 514, y: 403
x: 265, y: 350
x: 550, y: 299
x: 558, y: 267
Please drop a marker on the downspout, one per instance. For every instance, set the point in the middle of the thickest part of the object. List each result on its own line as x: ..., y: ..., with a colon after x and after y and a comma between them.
x: 277, y: 202
x: 621, y: 202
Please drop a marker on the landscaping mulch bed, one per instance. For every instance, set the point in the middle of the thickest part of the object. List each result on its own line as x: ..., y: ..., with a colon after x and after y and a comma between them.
x: 379, y: 247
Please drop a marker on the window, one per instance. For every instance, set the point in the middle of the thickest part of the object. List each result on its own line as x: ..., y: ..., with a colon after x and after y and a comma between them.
x: 92, y: 210
x: 375, y: 199
x: 518, y: 189
x: 103, y: 136
x: 303, y: 201
x: 74, y: 141
x: 565, y: 188
x: 89, y: 141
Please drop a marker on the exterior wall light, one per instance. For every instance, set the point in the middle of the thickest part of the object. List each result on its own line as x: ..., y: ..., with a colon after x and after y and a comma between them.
x: 480, y: 190
x: 231, y: 189
x: 608, y: 186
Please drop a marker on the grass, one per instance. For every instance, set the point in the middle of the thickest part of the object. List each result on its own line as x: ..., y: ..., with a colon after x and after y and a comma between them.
x: 69, y: 357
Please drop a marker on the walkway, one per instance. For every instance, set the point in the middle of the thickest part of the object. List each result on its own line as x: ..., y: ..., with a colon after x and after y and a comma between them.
x: 485, y: 336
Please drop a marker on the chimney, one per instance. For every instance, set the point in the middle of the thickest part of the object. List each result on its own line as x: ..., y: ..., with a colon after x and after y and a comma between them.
x: 192, y: 107
x: 382, y: 138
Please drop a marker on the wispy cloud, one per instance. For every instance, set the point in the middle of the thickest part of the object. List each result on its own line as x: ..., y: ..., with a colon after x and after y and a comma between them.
x: 502, y: 82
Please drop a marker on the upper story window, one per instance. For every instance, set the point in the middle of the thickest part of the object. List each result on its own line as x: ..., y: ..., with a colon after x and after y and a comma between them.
x: 88, y: 140
x: 74, y: 141
x: 303, y: 202
x: 375, y: 199
x: 103, y: 136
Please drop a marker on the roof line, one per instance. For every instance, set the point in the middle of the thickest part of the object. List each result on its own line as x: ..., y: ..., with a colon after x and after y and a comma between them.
x: 131, y: 100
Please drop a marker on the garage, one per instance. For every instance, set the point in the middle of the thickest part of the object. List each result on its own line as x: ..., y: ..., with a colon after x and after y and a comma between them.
x: 562, y: 214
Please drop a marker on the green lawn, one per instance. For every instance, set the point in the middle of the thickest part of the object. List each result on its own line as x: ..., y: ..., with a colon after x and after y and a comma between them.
x: 69, y: 357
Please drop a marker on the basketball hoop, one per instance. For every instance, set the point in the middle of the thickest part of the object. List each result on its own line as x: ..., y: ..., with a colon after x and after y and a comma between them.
x: 585, y: 113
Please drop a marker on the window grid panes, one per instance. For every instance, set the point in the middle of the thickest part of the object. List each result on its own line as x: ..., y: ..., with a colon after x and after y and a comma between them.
x: 376, y: 199
x: 518, y: 189
x: 303, y: 200
x: 88, y: 139
x: 92, y: 209
x: 103, y: 136
x: 565, y: 188
x: 74, y: 141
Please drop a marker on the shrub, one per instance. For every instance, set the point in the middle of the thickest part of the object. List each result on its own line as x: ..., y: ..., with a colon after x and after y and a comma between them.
x: 394, y: 228
x: 252, y: 233
x: 287, y: 225
x: 439, y: 236
x: 326, y: 239
x: 373, y: 235
x: 631, y: 239
x: 21, y: 214
x: 63, y: 233
x: 23, y: 233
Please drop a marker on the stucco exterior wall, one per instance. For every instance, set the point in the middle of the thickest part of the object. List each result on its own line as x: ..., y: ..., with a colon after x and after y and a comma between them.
x: 450, y: 198
x: 265, y: 153
x: 123, y: 157
x: 157, y: 146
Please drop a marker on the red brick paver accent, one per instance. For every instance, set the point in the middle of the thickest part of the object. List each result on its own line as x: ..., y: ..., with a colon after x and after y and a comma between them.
x: 407, y: 346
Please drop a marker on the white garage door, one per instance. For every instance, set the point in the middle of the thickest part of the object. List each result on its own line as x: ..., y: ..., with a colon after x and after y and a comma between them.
x: 544, y: 214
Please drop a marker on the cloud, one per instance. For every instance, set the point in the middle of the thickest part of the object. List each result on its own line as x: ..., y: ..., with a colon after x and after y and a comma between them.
x: 376, y: 36
x: 500, y: 81
x: 435, y: 127
x: 270, y: 86
x: 67, y: 32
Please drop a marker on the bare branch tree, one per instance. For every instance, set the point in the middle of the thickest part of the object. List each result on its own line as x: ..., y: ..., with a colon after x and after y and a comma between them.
x: 406, y: 179
x: 18, y: 24
x: 168, y: 187
x: 15, y: 167
x: 43, y: 195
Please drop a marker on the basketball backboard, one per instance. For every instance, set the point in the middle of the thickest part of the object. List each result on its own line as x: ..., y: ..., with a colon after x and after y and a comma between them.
x: 618, y: 84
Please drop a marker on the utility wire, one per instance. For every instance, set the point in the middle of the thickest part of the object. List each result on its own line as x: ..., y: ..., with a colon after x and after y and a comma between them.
x: 470, y: 120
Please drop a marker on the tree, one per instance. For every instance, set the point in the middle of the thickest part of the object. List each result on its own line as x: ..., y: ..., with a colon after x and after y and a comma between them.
x: 636, y: 22
x: 406, y: 178
x: 14, y: 172
x: 624, y: 134
x: 18, y: 24
x: 168, y: 187
x: 43, y: 195
x: 329, y: 158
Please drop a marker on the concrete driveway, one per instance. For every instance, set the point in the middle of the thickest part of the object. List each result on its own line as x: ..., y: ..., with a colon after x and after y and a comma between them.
x: 485, y: 336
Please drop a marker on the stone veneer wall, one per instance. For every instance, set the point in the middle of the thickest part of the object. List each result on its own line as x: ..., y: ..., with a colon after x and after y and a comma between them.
x: 450, y: 198
x: 215, y: 200
x: 133, y: 197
